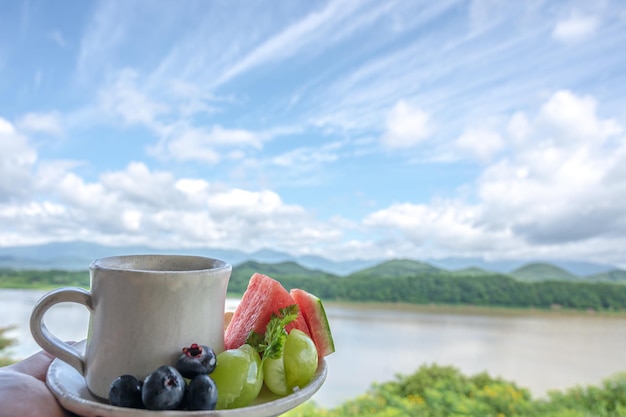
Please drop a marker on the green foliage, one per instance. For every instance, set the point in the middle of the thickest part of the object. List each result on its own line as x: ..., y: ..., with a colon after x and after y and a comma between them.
x: 442, y: 391
x: 398, y: 281
x: 447, y: 288
x: 413, y: 282
x: 542, y: 272
x: 42, y: 279
x: 241, y: 273
x: 397, y: 267
x: 271, y: 344
x: 608, y: 400
x: 616, y: 275
x: 5, y: 342
x: 472, y: 271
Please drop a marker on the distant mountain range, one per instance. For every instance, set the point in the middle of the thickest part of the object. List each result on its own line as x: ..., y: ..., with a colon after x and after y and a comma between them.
x: 534, y: 272
x: 543, y: 272
x: 78, y: 255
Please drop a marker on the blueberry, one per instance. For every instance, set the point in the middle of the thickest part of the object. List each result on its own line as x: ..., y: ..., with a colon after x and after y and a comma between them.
x: 201, y: 393
x: 196, y: 360
x: 125, y: 391
x: 163, y: 389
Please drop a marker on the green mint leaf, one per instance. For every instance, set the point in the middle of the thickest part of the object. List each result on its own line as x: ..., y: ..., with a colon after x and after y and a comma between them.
x: 275, y: 348
x: 289, y: 313
x: 275, y: 333
x: 272, y: 343
x: 256, y: 340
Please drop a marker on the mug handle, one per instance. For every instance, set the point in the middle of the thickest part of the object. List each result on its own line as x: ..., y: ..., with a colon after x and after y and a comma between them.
x: 49, y: 342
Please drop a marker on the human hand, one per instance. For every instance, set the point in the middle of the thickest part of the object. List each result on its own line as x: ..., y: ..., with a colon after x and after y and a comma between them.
x: 23, y: 391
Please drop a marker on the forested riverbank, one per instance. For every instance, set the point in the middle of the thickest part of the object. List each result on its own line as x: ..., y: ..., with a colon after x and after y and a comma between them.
x: 410, y: 282
x: 392, y: 282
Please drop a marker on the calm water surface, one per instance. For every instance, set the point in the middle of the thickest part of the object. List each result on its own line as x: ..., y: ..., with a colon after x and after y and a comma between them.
x: 540, y: 351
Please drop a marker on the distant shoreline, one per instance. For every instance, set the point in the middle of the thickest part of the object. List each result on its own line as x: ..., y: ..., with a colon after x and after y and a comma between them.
x: 458, y: 309
x: 466, y: 309
x: 38, y: 287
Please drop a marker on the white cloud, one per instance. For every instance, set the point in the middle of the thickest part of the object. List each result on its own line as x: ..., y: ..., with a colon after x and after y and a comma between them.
x: 450, y: 225
x: 561, y: 194
x: 575, y: 28
x: 480, y: 143
x: 141, y: 186
x: 192, y: 185
x: 242, y: 200
x: 132, y: 219
x: 34, y: 222
x: 87, y: 199
x: 308, y: 158
x: 186, y: 143
x: 569, y: 119
x: 122, y: 98
x: 406, y: 126
x: 141, y: 206
x: 47, y: 123
x: 550, y: 196
x: 519, y: 128
x: 563, y: 185
x: 17, y: 161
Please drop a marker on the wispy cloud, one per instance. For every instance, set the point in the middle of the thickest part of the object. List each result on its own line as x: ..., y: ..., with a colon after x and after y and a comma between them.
x: 47, y: 123
x: 311, y: 29
x: 575, y: 28
x: 17, y: 160
x: 58, y: 38
x: 107, y: 31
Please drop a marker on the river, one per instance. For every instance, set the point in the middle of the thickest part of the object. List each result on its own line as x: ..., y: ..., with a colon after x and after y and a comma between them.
x: 538, y: 350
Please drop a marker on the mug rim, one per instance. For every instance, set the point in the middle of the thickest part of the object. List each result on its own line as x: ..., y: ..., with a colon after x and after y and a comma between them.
x: 124, y: 263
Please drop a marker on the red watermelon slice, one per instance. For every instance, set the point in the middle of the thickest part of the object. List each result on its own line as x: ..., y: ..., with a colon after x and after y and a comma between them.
x: 313, y: 311
x: 263, y: 297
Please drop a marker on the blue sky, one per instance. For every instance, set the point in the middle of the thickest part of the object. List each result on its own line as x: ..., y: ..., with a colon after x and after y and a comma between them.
x: 347, y: 129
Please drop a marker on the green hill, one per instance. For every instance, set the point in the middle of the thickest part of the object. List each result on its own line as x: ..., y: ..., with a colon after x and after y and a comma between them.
x: 471, y: 272
x: 536, y: 272
x: 278, y: 269
x: 281, y: 271
x: 397, y: 268
x: 615, y: 276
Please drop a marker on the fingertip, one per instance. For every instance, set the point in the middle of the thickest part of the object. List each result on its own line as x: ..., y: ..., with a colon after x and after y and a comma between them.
x: 35, y: 365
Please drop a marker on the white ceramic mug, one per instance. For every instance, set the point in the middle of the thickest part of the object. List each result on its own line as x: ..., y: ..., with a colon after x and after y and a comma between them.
x: 143, y: 310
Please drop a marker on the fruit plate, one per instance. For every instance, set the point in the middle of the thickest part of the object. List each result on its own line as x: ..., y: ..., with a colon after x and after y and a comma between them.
x: 68, y: 386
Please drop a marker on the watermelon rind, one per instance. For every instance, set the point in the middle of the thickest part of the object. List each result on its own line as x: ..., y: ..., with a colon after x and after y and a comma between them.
x: 314, y: 314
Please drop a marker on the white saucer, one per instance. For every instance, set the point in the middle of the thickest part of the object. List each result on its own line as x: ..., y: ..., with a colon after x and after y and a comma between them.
x: 69, y: 388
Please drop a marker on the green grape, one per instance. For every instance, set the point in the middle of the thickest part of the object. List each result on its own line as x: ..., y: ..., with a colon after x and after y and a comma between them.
x: 274, y: 375
x: 238, y: 376
x: 295, y: 368
x: 300, y: 359
x: 254, y: 378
